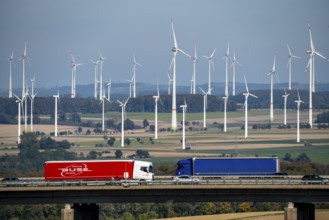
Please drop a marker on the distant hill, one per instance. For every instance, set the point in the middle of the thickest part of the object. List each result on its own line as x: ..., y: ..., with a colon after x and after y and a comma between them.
x: 121, y: 90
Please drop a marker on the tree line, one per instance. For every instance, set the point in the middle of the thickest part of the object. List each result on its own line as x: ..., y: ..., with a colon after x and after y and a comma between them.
x: 45, y: 105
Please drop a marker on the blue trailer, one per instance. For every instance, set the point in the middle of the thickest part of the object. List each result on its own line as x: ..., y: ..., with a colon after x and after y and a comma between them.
x: 229, y: 166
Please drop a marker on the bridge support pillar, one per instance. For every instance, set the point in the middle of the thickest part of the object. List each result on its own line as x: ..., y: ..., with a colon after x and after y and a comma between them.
x: 86, y: 211
x: 305, y: 211
x: 290, y: 213
x: 67, y: 213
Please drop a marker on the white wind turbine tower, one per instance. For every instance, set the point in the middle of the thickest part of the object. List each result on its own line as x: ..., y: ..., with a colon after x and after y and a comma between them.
x: 95, y: 77
x: 156, y: 99
x: 271, y: 74
x: 11, y: 61
x: 289, y: 64
x: 285, y: 97
x: 234, y: 61
x: 193, y: 80
x: 310, y: 65
x: 25, y: 108
x: 246, y: 95
x: 56, y: 115
x: 175, y: 50
x: 183, y: 129
x: 169, y: 83
x: 32, y: 96
x: 225, y: 106
x: 298, y: 105
x: 74, y: 66
x: 101, y: 59
x: 19, y: 102
x: 210, y: 64
x: 103, y: 110
x: 130, y: 85
x: 134, y: 75
x: 226, y: 57
x: 23, y: 58
x: 205, y: 95
x: 123, y: 113
x: 109, y: 90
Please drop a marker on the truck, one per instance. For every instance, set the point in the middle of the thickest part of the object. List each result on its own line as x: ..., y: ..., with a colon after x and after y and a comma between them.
x: 94, y: 170
x: 229, y: 166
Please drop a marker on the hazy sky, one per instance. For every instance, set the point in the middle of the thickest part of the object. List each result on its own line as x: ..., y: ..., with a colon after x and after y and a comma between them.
x: 256, y: 29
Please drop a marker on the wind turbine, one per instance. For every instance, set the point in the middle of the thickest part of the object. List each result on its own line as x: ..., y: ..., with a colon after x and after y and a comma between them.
x: 271, y: 74
x: 285, y: 97
x: 183, y: 129
x: 193, y: 80
x: 205, y: 94
x: 11, y: 61
x: 103, y: 107
x: 134, y: 75
x: 123, y: 113
x: 226, y: 57
x: 19, y: 102
x: 310, y: 65
x: 101, y: 59
x: 298, y: 105
x: 246, y: 95
x: 289, y: 64
x: 74, y: 66
x: 210, y: 64
x: 95, y: 77
x: 175, y: 50
x: 55, y: 115
x: 233, y: 71
x: 109, y: 90
x: 225, y: 106
x: 32, y: 96
x: 156, y: 99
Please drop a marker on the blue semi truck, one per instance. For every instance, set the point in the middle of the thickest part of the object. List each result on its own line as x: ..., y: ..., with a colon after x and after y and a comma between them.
x: 229, y: 166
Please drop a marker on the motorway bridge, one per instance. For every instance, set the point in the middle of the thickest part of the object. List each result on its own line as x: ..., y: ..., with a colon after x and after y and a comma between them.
x: 87, y: 197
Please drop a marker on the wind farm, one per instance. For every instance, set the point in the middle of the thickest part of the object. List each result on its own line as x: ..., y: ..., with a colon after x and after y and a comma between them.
x: 172, y: 90
x: 175, y: 79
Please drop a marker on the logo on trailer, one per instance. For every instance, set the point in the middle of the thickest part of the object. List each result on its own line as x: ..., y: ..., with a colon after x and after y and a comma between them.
x: 74, y: 170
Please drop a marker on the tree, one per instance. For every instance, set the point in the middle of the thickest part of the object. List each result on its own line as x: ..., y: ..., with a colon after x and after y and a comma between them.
x: 322, y: 118
x: 205, y: 208
x: 152, y: 128
x: 145, y: 123
x: 75, y: 118
x: 110, y: 142
x: 287, y: 157
x: 92, y: 155
x: 118, y: 154
x: 127, y: 141
x: 129, y: 124
x: 303, y: 157
x: 142, y: 154
x: 62, y: 117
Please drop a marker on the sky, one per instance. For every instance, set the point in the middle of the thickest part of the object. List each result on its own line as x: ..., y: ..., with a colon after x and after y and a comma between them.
x: 257, y: 30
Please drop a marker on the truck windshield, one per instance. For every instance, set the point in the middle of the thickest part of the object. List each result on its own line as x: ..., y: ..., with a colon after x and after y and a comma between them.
x: 151, y: 169
x: 180, y: 166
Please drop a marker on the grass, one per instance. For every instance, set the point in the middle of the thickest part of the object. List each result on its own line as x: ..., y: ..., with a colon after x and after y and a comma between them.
x: 167, y: 116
